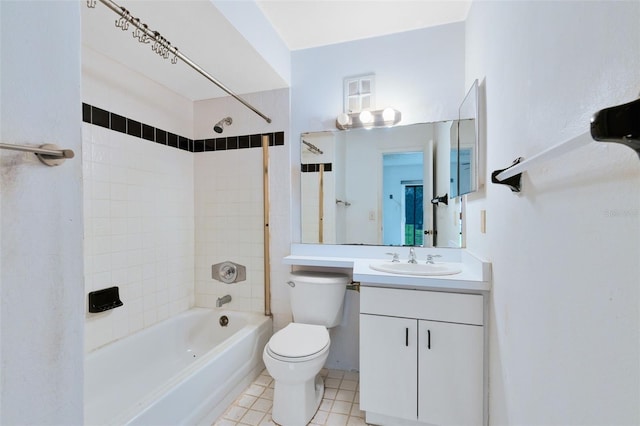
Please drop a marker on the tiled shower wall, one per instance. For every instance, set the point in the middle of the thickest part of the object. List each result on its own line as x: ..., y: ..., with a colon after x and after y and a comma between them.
x: 229, y: 204
x: 138, y: 199
x: 229, y: 220
x: 139, y: 230
x: 230, y: 226
x: 158, y: 216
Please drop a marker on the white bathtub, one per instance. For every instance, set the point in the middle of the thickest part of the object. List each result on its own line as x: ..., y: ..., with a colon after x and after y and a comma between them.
x: 185, y: 370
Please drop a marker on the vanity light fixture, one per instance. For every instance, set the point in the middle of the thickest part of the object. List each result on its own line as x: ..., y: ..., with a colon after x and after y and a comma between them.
x: 380, y: 118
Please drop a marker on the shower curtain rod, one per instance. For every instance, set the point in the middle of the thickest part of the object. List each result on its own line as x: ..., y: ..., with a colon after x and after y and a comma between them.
x: 167, y: 47
x: 314, y: 149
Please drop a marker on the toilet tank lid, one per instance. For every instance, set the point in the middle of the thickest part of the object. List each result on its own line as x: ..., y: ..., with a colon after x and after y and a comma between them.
x: 321, y: 277
x: 299, y: 340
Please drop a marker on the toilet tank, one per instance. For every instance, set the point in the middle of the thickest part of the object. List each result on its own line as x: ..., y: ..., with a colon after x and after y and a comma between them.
x: 318, y: 297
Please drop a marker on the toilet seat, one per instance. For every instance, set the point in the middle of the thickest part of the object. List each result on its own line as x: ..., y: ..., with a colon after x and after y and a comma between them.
x: 298, y: 342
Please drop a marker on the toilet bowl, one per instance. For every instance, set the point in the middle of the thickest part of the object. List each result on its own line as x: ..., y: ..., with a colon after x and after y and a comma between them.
x: 295, y: 355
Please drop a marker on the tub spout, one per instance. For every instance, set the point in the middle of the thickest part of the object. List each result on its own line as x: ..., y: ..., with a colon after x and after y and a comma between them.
x: 223, y: 300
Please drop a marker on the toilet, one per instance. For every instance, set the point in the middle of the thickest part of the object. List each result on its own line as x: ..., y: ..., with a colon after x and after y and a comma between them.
x: 295, y: 355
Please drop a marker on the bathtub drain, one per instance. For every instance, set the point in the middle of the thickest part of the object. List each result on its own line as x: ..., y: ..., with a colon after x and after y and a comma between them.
x: 224, y: 321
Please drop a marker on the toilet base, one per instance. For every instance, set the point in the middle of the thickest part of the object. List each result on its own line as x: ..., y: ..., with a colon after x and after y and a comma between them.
x: 296, y: 404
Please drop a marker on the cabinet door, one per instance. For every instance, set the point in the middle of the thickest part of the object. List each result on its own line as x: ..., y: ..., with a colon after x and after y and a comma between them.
x: 450, y: 369
x: 388, y: 367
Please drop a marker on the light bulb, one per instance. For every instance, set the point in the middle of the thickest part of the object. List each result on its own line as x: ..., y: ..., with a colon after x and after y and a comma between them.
x: 343, y: 119
x: 389, y: 114
x: 366, y: 117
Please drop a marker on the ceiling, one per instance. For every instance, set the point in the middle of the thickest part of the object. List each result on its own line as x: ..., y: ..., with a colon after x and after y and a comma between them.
x: 200, y: 31
x: 311, y: 23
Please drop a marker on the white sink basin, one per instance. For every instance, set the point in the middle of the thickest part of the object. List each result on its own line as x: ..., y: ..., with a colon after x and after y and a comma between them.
x: 405, y: 268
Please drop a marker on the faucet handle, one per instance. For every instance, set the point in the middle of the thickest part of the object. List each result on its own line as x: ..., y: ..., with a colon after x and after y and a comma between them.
x: 395, y: 257
x: 430, y: 257
x: 412, y: 255
x: 228, y: 273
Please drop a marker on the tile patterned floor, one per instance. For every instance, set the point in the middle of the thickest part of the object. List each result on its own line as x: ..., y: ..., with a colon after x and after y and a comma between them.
x: 339, y: 406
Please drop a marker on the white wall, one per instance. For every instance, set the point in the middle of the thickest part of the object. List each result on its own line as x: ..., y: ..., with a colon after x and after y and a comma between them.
x: 565, y: 323
x: 248, y: 19
x: 110, y: 85
x: 420, y: 73
x: 42, y: 285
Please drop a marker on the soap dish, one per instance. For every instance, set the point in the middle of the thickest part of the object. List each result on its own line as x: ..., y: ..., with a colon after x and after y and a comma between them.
x: 105, y: 299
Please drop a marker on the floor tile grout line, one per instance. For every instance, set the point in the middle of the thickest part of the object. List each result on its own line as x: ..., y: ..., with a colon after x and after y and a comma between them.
x: 341, y: 398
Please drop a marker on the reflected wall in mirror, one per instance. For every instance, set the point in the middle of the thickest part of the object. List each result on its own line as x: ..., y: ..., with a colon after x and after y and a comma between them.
x: 379, y: 186
x: 466, y: 152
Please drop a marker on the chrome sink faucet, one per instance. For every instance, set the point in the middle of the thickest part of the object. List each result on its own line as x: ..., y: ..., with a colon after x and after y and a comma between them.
x: 430, y: 258
x: 412, y: 255
x: 223, y: 300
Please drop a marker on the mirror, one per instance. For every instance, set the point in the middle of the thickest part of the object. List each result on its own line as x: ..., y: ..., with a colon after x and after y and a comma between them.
x: 464, y: 156
x: 381, y: 186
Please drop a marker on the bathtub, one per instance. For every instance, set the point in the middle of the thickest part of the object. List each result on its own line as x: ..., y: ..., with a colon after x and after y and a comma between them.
x: 184, y: 370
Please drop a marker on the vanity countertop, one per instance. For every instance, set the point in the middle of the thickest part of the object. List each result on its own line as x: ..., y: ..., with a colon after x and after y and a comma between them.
x: 470, y: 279
x: 327, y: 261
x: 475, y: 276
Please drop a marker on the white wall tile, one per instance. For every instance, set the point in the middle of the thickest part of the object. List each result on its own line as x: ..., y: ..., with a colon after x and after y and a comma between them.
x: 151, y: 208
x: 229, y: 200
x: 139, y: 230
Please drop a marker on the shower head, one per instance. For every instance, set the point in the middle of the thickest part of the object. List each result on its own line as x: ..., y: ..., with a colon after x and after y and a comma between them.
x: 225, y: 121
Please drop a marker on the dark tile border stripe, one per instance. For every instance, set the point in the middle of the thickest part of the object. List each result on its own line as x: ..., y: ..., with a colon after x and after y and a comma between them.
x: 118, y: 123
x: 314, y: 168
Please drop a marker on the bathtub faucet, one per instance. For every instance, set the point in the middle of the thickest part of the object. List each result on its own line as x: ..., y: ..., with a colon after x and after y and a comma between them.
x: 222, y: 300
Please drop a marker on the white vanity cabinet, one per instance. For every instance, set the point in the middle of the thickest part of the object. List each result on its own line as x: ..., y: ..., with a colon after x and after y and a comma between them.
x: 421, y: 357
x: 388, y: 367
